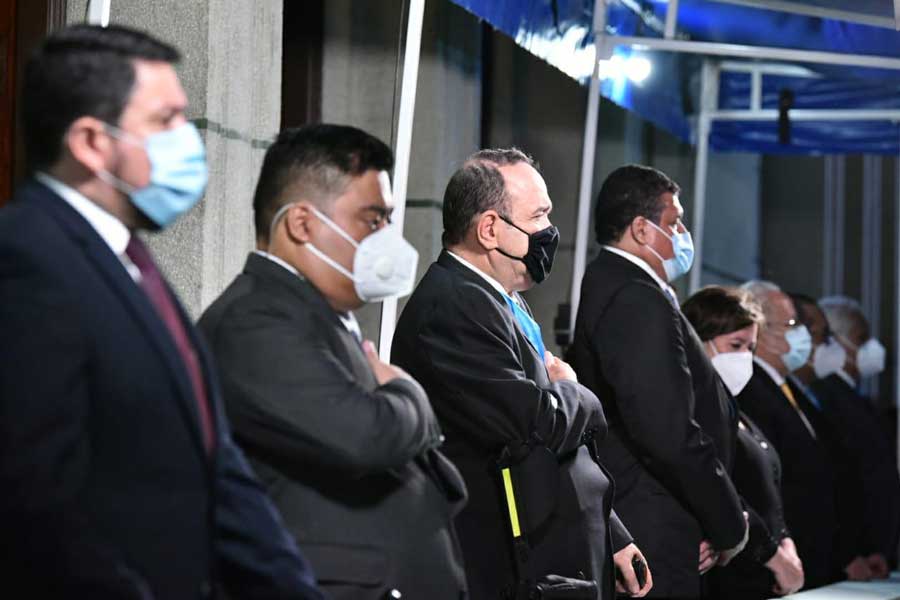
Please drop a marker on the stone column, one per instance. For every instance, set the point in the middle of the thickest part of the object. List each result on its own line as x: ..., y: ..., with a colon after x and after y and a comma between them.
x: 231, y: 71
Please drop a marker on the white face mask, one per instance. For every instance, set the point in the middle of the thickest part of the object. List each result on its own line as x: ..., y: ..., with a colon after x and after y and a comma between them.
x: 870, y: 358
x: 735, y: 369
x: 828, y: 358
x: 384, y: 265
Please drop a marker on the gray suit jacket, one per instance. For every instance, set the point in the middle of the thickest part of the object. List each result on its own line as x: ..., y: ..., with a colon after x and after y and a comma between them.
x: 353, y: 466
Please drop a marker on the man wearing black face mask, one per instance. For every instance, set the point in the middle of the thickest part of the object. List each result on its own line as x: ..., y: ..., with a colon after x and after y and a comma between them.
x: 518, y: 425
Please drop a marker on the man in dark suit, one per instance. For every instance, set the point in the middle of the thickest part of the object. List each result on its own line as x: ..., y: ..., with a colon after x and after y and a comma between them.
x: 345, y: 443
x: 519, y: 426
x: 119, y: 476
x: 785, y: 416
x: 850, y: 558
x: 854, y: 417
x: 672, y: 425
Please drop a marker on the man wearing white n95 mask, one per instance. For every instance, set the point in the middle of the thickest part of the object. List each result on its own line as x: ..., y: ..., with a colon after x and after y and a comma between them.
x: 346, y: 443
x: 854, y: 417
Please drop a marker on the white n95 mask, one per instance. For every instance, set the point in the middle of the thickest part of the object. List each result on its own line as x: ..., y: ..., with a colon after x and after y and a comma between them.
x: 384, y: 265
x: 735, y: 369
x: 828, y: 358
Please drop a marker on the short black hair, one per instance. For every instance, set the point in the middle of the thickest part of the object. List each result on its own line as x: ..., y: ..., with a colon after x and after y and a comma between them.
x: 629, y: 192
x: 82, y: 70
x: 478, y: 186
x: 318, y: 161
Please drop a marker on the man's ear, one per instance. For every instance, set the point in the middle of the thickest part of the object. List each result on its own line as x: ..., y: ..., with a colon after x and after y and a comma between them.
x: 638, y: 230
x: 88, y: 143
x: 297, y: 220
x: 486, y: 225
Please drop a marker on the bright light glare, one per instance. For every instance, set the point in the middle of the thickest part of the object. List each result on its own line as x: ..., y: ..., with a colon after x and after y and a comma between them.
x: 635, y: 68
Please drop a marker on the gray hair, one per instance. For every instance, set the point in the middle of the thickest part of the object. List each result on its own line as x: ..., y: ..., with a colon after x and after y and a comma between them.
x: 760, y: 290
x: 842, y: 314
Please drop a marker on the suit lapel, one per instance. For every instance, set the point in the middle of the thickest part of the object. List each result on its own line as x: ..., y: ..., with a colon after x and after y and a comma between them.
x: 451, y: 264
x: 309, y: 298
x: 133, y: 298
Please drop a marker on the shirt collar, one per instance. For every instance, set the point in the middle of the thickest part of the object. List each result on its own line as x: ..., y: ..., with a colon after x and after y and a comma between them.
x: 846, y: 377
x: 493, y: 282
x: 777, y: 377
x: 108, y: 227
x: 641, y: 263
x: 279, y: 261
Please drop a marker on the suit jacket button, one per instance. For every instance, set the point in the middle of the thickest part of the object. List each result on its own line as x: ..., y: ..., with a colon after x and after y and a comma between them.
x: 205, y: 590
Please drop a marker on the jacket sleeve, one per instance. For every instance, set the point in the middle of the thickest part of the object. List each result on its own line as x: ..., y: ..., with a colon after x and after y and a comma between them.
x: 45, y: 454
x: 256, y: 555
x: 470, y: 350
x: 289, y: 396
x: 641, y: 353
x: 618, y: 532
x: 762, y: 543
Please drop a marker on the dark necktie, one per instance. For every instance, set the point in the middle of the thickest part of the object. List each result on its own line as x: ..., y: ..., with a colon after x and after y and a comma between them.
x: 153, y: 285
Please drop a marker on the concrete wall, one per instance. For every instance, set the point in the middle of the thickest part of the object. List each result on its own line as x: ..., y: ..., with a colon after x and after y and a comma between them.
x: 231, y: 71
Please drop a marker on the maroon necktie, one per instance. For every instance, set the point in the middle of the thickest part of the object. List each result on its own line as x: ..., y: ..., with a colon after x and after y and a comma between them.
x: 153, y: 286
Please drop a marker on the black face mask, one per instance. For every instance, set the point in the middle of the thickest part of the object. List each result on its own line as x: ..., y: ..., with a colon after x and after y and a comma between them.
x: 541, y: 251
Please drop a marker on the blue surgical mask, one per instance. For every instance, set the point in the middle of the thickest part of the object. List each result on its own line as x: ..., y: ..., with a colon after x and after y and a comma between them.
x: 800, y: 343
x: 682, y: 250
x: 178, y: 173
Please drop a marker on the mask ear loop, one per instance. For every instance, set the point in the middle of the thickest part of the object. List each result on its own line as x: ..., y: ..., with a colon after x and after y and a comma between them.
x: 713, y: 346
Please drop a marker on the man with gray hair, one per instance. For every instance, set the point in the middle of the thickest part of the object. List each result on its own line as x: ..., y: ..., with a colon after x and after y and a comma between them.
x: 780, y: 410
x: 518, y: 425
x: 854, y: 417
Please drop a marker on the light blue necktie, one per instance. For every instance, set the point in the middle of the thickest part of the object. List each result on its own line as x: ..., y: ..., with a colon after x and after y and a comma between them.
x: 529, y: 326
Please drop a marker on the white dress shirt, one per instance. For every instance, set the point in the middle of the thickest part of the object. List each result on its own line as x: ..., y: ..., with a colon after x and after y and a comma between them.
x: 493, y: 282
x: 846, y: 377
x: 642, y: 264
x: 108, y: 227
x: 777, y: 377
x: 348, y: 319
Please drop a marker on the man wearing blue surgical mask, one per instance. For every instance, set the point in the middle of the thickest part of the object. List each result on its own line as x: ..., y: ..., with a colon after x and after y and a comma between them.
x: 672, y: 423
x: 788, y: 419
x: 120, y: 476
x: 347, y: 444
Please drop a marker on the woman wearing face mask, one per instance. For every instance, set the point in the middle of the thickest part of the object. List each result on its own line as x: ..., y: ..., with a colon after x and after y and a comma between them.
x: 727, y: 322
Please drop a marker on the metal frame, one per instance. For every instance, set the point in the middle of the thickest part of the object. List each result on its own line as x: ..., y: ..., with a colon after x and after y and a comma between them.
x: 402, y: 152
x: 588, y: 154
x: 758, y: 52
x: 816, y: 11
x: 709, y: 100
x: 98, y: 12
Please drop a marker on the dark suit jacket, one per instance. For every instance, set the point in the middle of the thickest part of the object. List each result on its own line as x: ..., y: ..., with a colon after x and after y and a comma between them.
x: 757, y: 477
x: 671, y: 421
x: 491, y: 391
x: 807, y: 484
x: 108, y: 491
x: 351, y: 465
x: 855, y: 422
x: 849, y: 495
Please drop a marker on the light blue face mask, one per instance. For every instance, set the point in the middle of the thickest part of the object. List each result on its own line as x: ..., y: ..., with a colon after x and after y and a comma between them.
x: 178, y: 173
x: 800, y: 343
x: 682, y: 249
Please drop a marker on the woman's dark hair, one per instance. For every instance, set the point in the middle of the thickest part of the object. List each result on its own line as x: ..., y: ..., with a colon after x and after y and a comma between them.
x: 717, y: 310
